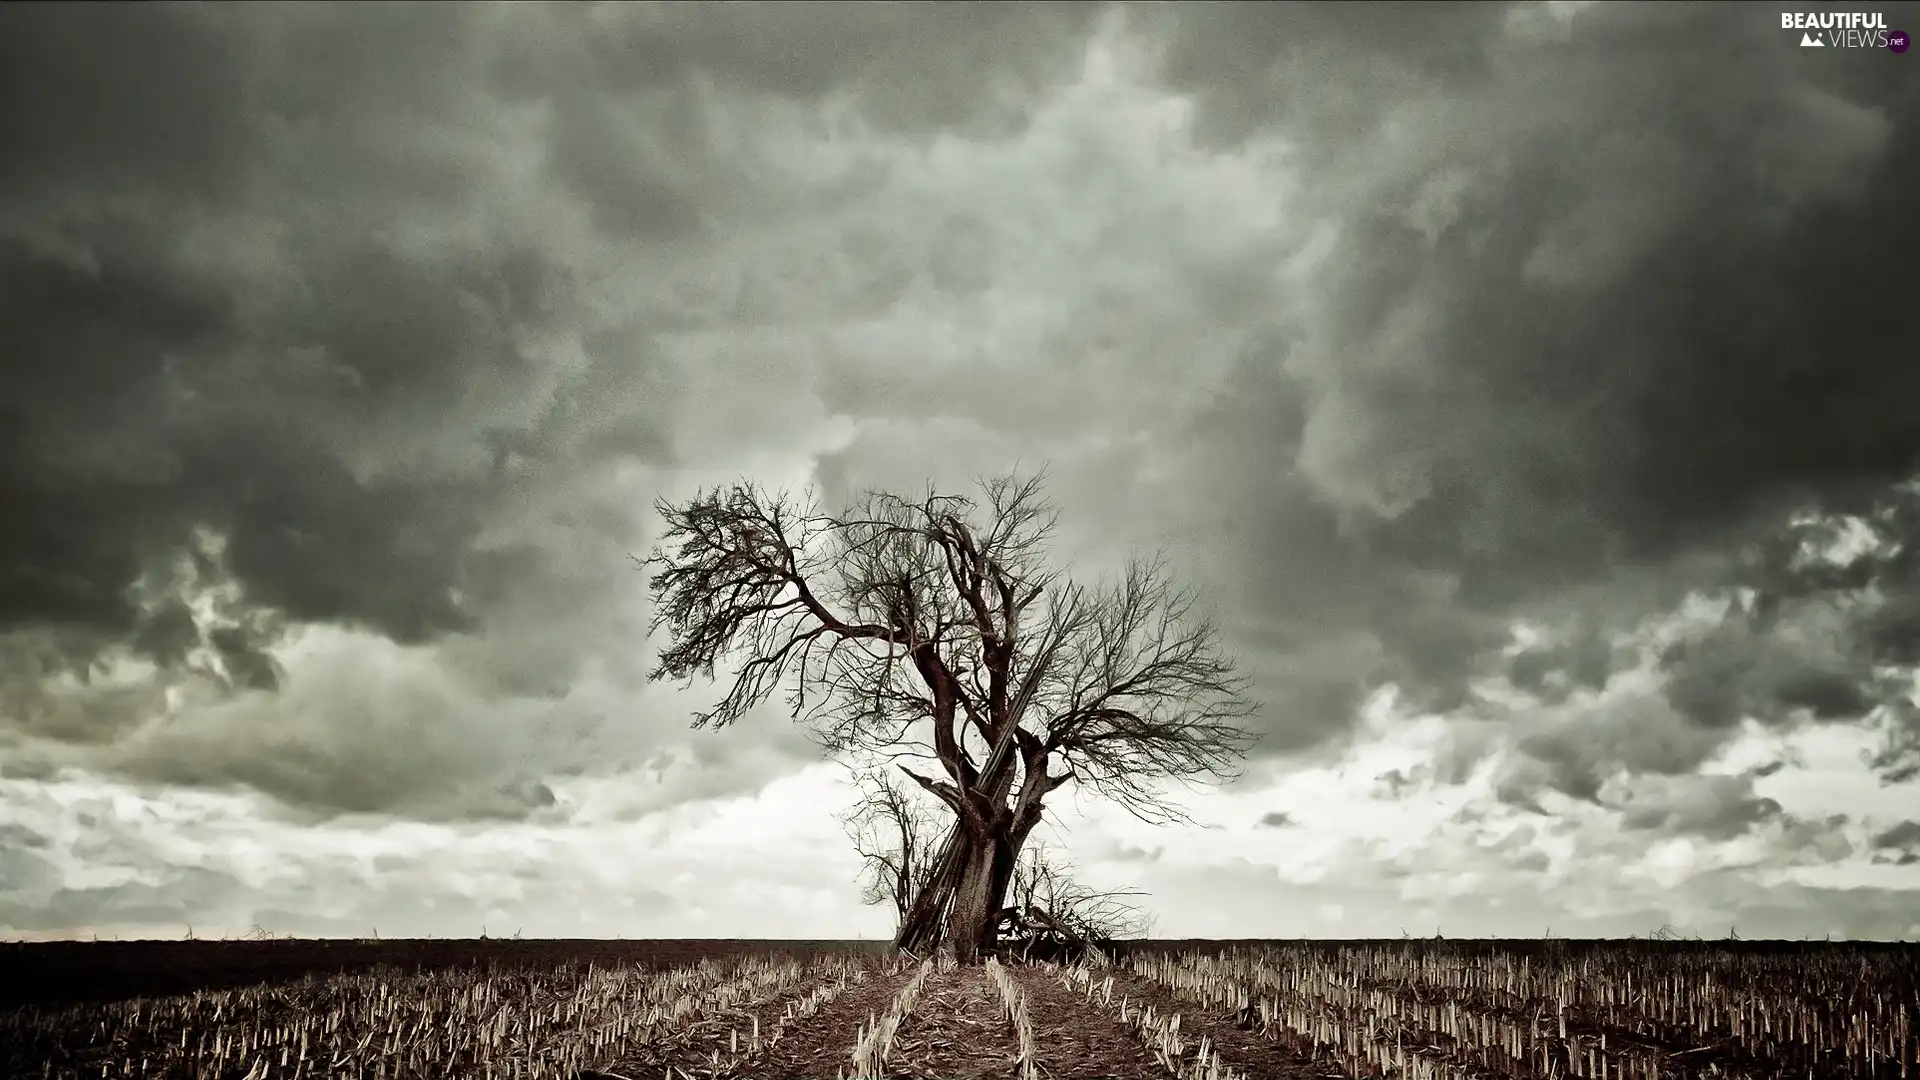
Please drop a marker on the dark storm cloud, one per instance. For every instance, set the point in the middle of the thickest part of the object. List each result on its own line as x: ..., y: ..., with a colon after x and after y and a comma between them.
x: 367, y: 317
x: 1584, y: 660
x: 1899, y: 844
x: 300, y: 332
x: 1577, y: 752
x: 154, y: 391
x: 1604, y: 304
x: 1714, y: 807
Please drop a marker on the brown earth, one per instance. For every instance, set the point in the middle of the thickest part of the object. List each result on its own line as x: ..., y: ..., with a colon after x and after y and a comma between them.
x: 48, y: 973
x: 725, y: 1036
x: 1075, y: 1041
x: 821, y: 1045
x: 1240, y: 1045
x: 958, y: 1031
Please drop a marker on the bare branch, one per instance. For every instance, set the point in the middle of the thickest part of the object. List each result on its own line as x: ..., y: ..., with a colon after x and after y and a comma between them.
x: 897, y: 838
x: 934, y: 628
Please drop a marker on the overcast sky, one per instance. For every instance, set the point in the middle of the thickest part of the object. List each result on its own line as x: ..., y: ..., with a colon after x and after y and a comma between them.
x: 1530, y: 389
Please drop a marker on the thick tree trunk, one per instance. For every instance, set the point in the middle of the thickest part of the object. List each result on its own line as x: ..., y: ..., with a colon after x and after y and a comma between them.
x: 1006, y: 856
x: 937, y: 911
x: 973, y: 921
x: 962, y: 908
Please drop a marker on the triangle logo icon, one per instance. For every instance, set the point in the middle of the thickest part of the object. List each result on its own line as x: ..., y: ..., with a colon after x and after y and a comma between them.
x: 1808, y: 41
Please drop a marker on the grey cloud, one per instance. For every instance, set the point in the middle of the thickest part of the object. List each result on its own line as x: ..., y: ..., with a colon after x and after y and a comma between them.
x: 1244, y: 899
x: 1276, y: 819
x: 1557, y: 340
x: 1127, y: 853
x: 1714, y: 807
x: 307, y: 320
x: 1735, y: 671
x: 159, y: 895
x: 1898, y: 844
x: 13, y: 836
x: 1577, y: 751
x: 1532, y: 860
x: 1583, y: 660
x: 339, y: 323
x: 410, y: 897
x: 327, y: 416
x: 161, y: 865
x: 889, y: 62
x: 1395, y: 783
x: 1260, y: 67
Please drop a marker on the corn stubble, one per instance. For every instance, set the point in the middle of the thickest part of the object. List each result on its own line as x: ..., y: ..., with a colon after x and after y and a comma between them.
x: 389, y: 1025
x: 1428, y: 1014
x: 1409, y: 1011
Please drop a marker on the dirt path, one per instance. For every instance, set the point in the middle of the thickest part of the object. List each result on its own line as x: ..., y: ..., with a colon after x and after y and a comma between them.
x: 1241, y: 1047
x: 959, y: 1031
x: 1078, y: 1041
x: 821, y: 1045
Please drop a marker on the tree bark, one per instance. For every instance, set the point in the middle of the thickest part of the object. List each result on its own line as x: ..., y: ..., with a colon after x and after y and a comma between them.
x: 1006, y: 855
x: 980, y: 895
x: 925, y: 923
x: 973, y: 918
x: 962, y: 910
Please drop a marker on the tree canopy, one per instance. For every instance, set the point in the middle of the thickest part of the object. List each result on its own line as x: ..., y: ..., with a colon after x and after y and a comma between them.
x: 937, y: 629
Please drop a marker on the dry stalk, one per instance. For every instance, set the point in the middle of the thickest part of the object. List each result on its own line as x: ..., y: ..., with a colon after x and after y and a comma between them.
x: 875, y: 1041
x: 1016, y: 1003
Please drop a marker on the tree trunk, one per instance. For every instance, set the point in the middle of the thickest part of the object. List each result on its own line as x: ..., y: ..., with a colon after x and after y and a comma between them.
x: 970, y: 923
x: 934, y: 914
x: 962, y: 909
x: 926, y: 920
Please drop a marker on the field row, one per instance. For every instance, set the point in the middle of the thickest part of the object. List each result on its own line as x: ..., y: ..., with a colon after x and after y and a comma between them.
x: 1382, y: 1011
x: 1278, y: 1012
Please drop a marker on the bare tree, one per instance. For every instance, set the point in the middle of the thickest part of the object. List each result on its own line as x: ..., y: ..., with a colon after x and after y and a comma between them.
x: 935, y: 629
x: 1046, y: 898
x: 896, y: 833
x: 897, y: 838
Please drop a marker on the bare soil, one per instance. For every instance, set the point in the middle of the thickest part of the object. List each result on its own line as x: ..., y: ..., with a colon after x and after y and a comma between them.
x: 958, y: 1031
x: 821, y: 1045
x: 709, y: 1045
x: 1240, y: 1045
x: 48, y: 973
x: 1076, y: 1041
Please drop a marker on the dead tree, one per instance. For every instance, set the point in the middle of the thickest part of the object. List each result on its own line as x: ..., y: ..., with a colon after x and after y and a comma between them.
x: 936, y: 629
x: 1052, y: 914
x: 898, y: 840
x: 1048, y: 912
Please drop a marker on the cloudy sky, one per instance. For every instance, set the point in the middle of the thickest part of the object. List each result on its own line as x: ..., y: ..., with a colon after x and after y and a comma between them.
x: 1530, y: 388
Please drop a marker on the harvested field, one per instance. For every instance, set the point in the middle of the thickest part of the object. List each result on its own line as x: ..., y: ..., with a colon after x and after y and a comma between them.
x: 959, y: 1030
x: 1072, y: 1037
x: 1445, y: 1011
x: 58, y: 972
x: 718, y: 1036
x: 820, y: 1044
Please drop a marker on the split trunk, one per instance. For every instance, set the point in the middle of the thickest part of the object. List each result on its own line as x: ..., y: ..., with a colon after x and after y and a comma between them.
x: 961, y: 903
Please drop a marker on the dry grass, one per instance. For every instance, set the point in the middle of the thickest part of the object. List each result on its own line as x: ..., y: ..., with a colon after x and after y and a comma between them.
x: 1625, y: 1012
x: 384, y: 1025
x: 874, y: 1044
x: 1363, y: 1010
